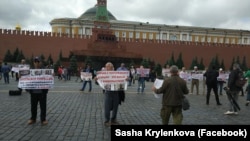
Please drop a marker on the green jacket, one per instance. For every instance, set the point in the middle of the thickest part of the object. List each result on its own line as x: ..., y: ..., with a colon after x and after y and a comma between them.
x: 247, y: 75
x: 173, y: 89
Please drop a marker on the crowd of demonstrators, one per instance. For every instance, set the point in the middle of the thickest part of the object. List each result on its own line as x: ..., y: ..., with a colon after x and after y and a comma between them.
x: 88, y: 69
x: 211, y: 81
x: 173, y: 90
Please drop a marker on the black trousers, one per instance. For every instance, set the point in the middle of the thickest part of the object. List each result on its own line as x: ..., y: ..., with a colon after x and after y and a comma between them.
x: 42, y: 100
x: 215, y: 90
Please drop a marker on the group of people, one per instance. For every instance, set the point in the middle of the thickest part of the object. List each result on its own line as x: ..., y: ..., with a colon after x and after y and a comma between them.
x: 174, y: 88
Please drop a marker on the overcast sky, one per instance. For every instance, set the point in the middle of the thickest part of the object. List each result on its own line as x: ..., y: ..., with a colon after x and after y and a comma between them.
x: 36, y: 14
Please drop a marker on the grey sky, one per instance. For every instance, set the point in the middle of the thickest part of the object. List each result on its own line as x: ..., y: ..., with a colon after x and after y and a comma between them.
x: 36, y: 14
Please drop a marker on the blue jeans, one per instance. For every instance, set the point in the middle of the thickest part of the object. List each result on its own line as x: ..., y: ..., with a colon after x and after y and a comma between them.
x: 85, y: 83
x: 141, y: 85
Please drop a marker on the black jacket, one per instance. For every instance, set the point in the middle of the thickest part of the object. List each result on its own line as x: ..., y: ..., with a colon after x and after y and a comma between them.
x: 211, y: 77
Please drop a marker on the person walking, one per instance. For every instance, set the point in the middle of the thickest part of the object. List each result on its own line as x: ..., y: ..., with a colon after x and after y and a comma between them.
x: 233, y: 90
x: 247, y: 75
x: 211, y: 82
x: 173, y: 90
x: 88, y: 69
x: 38, y: 96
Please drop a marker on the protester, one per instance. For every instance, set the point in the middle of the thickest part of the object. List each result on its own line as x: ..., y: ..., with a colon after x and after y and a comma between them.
x: 221, y: 80
x: 195, y: 80
x: 173, y: 90
x: 233, y: 90
x: 88, y: 69
x: 38, y: 96
x: 141, y: 80
x: 111, y: 101
x: 211, y: 82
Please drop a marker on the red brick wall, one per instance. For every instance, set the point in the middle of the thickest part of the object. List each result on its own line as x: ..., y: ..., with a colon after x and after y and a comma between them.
x: 46, y: 44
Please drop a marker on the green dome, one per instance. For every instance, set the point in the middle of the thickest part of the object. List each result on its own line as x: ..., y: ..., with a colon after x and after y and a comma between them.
x: 91, y: 13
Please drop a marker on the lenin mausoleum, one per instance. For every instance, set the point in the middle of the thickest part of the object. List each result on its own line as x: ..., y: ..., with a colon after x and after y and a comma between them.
x: 99, y: 35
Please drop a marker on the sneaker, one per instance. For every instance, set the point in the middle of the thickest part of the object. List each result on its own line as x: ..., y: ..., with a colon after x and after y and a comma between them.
x: 247, y: 103
x: 236, y: 113
x: 114, y: 123
x: 106, y: 123
x: 44, y: 122
x: 31, y: 121
x: 229, y: 113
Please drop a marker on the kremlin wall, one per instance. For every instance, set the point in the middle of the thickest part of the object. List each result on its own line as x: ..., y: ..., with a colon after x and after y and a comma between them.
x: 99, y: 35
x: 36, y: 43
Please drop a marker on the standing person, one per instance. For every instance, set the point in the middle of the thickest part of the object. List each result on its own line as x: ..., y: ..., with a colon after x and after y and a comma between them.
x: 78, y: 74
x: 6, y: 70
x: 22, y: 63
x: 211, y: 82
x: 141, y: 80
x: 247, y: 75
x: 132, y: 75
x: 88, y: 69
x: 59, y: 72
x: 233, y: 89
x: 38, y: 96
x: 221, y: 80
x: 111, y: 101
x: 173, y: 90
x: 204, y: 81
x: 195, y: 80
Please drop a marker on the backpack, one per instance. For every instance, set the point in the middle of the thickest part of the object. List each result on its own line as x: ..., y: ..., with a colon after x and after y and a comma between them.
x: 240, y: 81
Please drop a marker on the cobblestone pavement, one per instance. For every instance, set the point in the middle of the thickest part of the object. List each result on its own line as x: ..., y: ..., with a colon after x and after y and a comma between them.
x: 75, y: 115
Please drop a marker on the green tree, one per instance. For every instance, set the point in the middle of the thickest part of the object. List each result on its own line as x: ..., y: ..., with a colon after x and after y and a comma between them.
x: 179, y: 61
x: 20, y: 56
x: 194, y: 63
x: 201, y: 65
x: 222, y: 65
x: 244, y: 64
x: 172, y: 60
x: 15, y: 54
x: 8, y: 56
x: 73, y: 64
x: 50, y: 60
x: 145, y: 63
x: 158, y: 70
x: 233, y: 61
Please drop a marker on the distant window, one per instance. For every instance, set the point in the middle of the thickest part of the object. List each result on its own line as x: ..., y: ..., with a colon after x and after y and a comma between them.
x: 196, y: 38
x: 117, y: 34
x: 80, y: 31
x: 221, y: 40
x: 173, y: 37
x: 130, y: 34
x: 157, y: 36
x: 87, y: 31
x: 151, y: 36
x: 184, y: 37
x: 137, y: 35
x: 124, y: 34
x: 164, y: 36
x: 233, y: 41
x: 245, y: 41
x: 209, y: 39
x: 67, y: 31
x: 227, y: 40
x: 144, y: 35
x: 202, y: 39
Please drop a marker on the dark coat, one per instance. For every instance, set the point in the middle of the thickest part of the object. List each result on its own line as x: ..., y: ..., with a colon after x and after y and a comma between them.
x: 211, y: 77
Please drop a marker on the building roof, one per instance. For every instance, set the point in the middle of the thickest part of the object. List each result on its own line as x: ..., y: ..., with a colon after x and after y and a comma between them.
x: 90, y: 14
